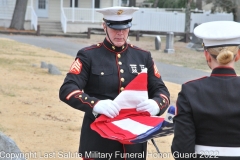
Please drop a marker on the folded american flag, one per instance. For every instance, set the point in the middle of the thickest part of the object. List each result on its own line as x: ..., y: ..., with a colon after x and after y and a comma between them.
x: 131, y: 126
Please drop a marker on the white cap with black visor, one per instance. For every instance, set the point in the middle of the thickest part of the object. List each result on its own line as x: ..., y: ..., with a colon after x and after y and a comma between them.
x: 219, y: 33
x: 118, y: 17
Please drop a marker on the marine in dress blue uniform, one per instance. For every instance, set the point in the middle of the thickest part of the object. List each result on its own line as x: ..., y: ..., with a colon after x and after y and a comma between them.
x: 206, y: 125
x: 101, y: 72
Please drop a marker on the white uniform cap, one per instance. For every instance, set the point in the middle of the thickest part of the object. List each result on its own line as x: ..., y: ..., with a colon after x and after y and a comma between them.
x: 117, y: 13
x: 118, y: 17
x: 219, y: 33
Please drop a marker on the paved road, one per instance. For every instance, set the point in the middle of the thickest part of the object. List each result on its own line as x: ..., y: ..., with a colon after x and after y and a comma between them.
x: 170, y: 73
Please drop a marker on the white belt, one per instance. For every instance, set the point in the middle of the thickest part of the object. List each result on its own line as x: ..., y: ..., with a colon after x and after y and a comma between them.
x: 218, y: 151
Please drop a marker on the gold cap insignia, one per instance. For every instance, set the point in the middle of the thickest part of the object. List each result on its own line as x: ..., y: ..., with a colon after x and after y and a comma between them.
x: 119, y: 12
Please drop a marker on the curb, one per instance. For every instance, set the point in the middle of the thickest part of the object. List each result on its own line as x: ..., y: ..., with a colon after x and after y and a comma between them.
x: 45, y: 34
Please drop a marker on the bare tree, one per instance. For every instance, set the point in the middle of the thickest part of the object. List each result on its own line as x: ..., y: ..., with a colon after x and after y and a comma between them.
x: 187, y: 20
x: 132, y: 3
x: 18, y: 17
x: 155, y: 4
x: 237, y: 11
x: 229, y: 6
x: 199, y: 4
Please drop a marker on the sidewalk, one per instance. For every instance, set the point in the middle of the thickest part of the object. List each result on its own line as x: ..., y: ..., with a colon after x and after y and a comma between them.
x: 170, y: 73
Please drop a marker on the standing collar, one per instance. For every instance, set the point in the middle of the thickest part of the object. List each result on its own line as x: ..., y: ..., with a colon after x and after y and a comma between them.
x: 223, y: 71
x: 113, y: 48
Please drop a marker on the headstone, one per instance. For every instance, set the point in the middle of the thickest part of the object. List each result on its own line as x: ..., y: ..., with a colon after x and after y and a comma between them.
x: 169, y: 43
x: 190, y: 45
x: 157, y: 43
x: 44, y: 65
x: 53, y: 70
x: 34, y: 65
x: 195, y: 39
x: 8, y: 149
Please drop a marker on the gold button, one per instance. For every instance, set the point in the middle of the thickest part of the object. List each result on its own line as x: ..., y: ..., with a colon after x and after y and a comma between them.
x: 113, y: 47
x: 121, y: 70
x: 131, y: 45
x: 123, y: 47
x: 102, y: 73
x: 164, y: 101
x: 92, y: 102
x: 120, y: 63
x: 98, y: 44
x: 122, y: 88
x: 80, y: 95
x: 85, y: 98
x: 119, y: 55
x: 122, y: 79
x: 160, y: 104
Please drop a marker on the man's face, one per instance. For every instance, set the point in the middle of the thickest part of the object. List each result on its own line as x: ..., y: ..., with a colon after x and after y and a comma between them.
x: 118, y: 37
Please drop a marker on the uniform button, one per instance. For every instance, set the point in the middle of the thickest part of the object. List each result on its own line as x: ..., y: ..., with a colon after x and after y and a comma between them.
x: 102, y: 73
x: 131, y: 45
x: 122, y: 88
x: 120, y: 63
x: 98, y: 44
x: 85, y: 98
x: 80, y: 96
x: 123, y: 47
x: 164, y: 101
x: 119, y: 55
x: 92, y: 102
x: 121, y: 70
x: 113, y: 47
x: 160, y: 104
x: 122, y: 79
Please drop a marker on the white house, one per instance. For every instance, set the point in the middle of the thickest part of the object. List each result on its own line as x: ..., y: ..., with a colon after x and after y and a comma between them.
x: 80, y: 12
x: 78, y: 15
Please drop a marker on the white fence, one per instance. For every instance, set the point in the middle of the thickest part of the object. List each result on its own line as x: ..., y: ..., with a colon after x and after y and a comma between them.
x: 159, y: 21
x: 145, y: 19
x: 149, y: 20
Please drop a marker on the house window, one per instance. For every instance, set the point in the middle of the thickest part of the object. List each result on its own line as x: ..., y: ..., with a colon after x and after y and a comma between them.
x: 41, y: 4
x: 75, y: 3
x: 97, y: 3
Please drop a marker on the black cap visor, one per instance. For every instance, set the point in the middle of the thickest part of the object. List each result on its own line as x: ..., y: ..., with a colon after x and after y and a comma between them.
x: 119, y: 25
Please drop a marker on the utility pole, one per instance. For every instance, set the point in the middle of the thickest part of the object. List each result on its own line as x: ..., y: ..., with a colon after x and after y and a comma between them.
x: 187, y: 20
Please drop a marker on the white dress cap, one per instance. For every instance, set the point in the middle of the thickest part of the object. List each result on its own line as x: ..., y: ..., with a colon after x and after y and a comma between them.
x: 117, y: 13
x: 219, y: 33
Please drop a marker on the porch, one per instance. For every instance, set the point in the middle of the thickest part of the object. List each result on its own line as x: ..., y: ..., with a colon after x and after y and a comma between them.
x: 70, y: 17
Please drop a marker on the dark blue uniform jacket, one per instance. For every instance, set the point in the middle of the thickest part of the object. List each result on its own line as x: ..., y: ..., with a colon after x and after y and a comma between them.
x: 101, y: 72
x: 208, y: 115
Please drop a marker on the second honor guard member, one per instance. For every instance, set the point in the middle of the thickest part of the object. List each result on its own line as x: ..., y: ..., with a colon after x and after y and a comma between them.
x: 99, y: 73
x: 206, y: 125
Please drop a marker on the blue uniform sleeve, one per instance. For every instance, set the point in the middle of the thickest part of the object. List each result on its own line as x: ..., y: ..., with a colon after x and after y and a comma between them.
x: 71, y: 91
x: 157, y: 90
x: 184, y: 129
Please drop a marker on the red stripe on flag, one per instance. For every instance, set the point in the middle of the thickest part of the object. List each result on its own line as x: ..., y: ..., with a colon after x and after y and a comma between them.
x: 139, y: 83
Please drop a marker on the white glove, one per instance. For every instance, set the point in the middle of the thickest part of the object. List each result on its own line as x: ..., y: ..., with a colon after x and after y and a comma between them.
x: 150, y: 106
x: 107, y: 107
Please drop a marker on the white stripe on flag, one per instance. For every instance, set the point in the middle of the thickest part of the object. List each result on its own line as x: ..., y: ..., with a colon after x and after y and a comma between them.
x: 129, y: 98
x: 132, y: 126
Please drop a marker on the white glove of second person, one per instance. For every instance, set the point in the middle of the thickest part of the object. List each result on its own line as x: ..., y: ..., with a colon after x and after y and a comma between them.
x: 150, y: 106
x: 107, y: 107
